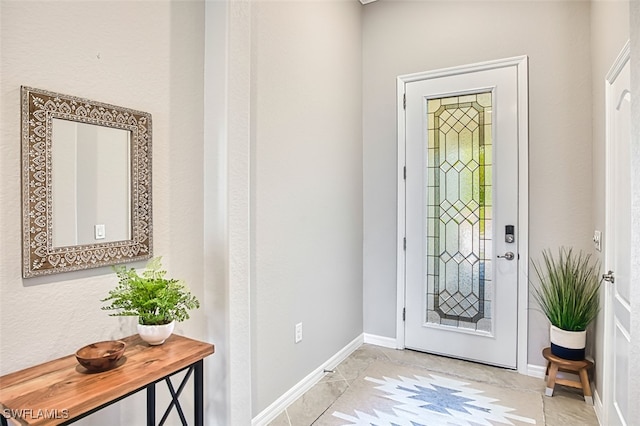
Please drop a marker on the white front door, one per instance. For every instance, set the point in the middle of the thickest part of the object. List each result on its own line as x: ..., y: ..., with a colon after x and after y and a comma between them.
x: 463, y: 241
x: 618, y: 244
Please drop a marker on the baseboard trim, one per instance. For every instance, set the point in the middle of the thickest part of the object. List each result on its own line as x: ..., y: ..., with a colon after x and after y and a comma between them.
x: 385, y: 342
x: 540, y: 372
x: 536, y: 371
x: 272, y: 411
x: 597, y: 405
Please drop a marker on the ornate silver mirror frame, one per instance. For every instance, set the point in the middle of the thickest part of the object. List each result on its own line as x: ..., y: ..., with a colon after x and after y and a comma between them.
x: 42, y: 255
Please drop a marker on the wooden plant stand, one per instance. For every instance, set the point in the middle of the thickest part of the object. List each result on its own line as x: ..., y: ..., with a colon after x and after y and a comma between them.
x: 581, y: 368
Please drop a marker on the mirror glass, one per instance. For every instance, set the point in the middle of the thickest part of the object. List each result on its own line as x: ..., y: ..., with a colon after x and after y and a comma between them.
x: 86, y: 183
x: 90, y: 183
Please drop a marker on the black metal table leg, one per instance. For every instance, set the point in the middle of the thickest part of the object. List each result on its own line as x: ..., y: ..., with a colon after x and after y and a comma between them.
x: 151, y: 404
x: 175, y: 402
x: 198, y: 393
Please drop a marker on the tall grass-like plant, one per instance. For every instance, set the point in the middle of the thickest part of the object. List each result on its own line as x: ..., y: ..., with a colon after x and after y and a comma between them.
x: 569, y: 290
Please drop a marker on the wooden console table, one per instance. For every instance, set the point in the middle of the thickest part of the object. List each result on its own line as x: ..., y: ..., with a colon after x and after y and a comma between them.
x: 62, y: 391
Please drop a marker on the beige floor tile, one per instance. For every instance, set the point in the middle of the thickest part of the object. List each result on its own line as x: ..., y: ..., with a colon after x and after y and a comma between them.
x: 281, y: 420
x: 306, y: 409
x: 333, y: 376
x: 567, y: 407
x: 358, y: 361
x: 337, y: 391
x: 466, y: 369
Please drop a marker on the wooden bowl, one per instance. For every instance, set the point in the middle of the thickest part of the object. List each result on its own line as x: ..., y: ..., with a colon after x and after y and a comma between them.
x: 100, y: 356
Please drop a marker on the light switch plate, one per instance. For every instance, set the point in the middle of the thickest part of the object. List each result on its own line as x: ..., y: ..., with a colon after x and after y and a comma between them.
x: 99, y: 232
x: 597, y: 240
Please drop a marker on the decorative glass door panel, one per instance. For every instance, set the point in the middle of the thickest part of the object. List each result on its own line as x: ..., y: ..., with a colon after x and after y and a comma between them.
x: 458, y: 195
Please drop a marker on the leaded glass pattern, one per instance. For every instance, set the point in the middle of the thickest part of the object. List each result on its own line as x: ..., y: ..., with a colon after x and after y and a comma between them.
x: 459, y: 202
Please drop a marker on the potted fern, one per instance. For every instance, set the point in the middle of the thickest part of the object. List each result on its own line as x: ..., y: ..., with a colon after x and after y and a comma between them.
x: 569, y: 295
x: 158, y: 302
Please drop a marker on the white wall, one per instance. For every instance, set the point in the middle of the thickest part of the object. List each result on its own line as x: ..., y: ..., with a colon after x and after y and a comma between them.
x: 609, y: 33
x: 142, y: 55
x: 401, y: 37
x: 227, y: 214
x: 307, y: 188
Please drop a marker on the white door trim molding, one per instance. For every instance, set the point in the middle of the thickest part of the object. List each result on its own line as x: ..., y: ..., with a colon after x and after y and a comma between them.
x: 521, y: 63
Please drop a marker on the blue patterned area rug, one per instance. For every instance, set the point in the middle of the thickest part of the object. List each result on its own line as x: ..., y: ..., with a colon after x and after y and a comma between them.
x: 404, y: 396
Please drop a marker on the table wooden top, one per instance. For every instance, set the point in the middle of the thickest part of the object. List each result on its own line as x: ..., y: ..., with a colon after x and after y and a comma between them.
x: 63, y: 388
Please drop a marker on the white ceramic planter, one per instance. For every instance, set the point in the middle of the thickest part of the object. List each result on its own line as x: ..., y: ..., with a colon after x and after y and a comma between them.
x: 155, y: 334
x: 568, y: 344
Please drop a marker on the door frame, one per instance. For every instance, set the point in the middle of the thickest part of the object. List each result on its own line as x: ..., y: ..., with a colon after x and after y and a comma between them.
x: 521, y: 64
x: 608, y: 312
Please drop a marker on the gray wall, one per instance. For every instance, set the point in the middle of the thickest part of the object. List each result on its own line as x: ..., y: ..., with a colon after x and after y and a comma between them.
x: 141, y: 55
x: 401, y: 37
x: 306, y: 188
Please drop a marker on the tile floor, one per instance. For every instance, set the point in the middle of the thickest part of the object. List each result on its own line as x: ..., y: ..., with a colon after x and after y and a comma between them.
x: 566, y: 407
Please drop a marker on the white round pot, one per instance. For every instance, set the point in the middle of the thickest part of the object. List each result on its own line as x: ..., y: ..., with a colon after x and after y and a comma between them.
x: 568, y: 344
x: 155, y: 334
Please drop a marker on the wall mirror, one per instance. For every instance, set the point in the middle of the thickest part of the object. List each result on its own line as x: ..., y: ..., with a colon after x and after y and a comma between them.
x: 86, y: 183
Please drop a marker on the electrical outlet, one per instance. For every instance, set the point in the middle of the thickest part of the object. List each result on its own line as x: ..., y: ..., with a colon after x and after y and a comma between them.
x: 597, y: 240
x: 299, y: 332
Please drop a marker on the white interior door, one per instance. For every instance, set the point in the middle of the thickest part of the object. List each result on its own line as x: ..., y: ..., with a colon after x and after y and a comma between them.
x: 461, y: 214
x: 618, y: 243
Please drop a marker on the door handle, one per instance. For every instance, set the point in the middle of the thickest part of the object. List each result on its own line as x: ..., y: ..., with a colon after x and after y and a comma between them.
x: 508, y: 255
x: 608, y: 277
